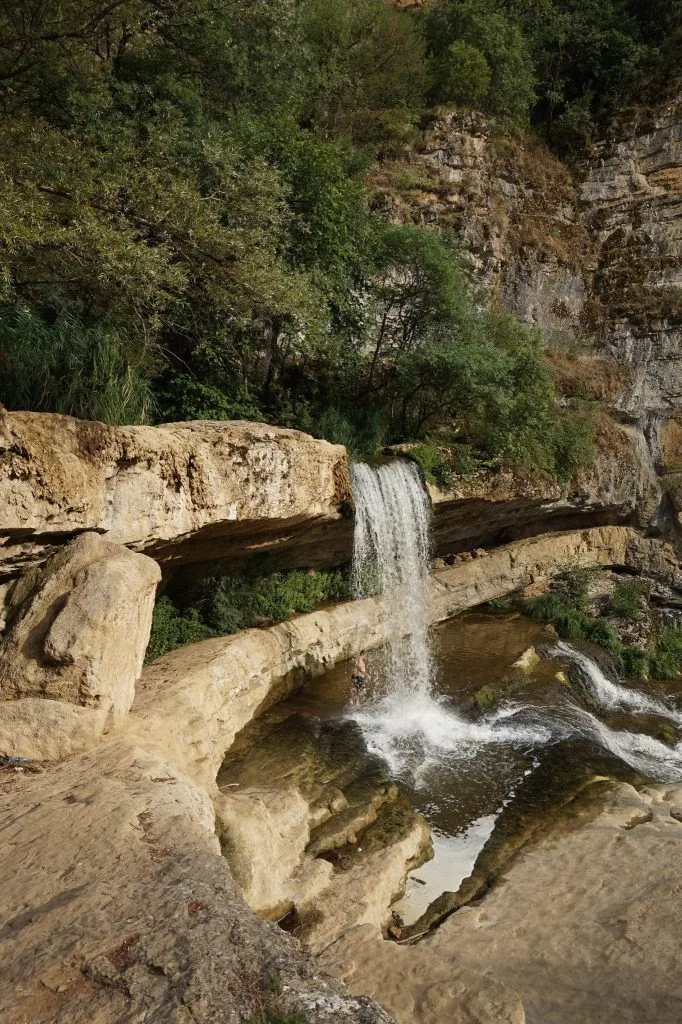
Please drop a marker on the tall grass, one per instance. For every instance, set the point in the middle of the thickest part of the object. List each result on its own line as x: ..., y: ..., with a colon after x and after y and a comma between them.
x: 63, y: 365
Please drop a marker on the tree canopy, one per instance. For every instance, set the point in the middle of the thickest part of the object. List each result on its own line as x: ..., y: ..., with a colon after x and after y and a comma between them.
x: 185, y: 229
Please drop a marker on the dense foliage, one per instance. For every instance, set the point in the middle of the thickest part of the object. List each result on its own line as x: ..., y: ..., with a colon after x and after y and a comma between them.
x: 566, y: 606
x: 228, y: 604
x: 185, y: 231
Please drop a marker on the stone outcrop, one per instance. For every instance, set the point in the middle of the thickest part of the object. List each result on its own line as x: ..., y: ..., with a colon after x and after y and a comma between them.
x: 117, y: 905
x: 631, y: 201
x: 514, y: 206
x: 185, y: 493
x: 74, y: 647
x: 194, y: 700
x: 340, y: 837
x: 584, y: 927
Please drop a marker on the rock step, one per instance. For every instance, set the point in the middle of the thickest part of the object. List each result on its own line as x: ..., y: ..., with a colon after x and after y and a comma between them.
x: 363, y: 800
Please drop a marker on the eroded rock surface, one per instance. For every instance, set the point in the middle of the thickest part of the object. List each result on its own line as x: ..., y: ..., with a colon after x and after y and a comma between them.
x: 340, y: 836
x: 74, y: 647
x: 117, y: 906
x: 183, y: 493
x: 584, y: 927
x: 492, y: 508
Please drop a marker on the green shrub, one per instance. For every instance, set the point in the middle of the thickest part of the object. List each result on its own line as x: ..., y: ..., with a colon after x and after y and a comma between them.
x: 227, y: 604
x: 601, y: 632
x: 464, y: 75
x: 362, y: 434
x: 230, y: 604
x: 565, y: 606
x: 625, y: 600
x: 635, y: 662
x: 172, y: 628
x: 434, y: 465
x: 665, y: 653
x: 61, y: 363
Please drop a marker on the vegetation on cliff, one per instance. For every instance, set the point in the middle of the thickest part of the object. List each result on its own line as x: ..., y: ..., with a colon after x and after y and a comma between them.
x: 228, y: 604
x: 185, y: 231
x: 567, y: 606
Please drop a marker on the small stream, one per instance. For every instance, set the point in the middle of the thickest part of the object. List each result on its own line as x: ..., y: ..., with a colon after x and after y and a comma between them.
x: 469, y: 769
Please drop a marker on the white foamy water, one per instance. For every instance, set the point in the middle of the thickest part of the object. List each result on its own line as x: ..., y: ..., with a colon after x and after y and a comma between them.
x: 416, y: 733
x: 391, y: 542
x: 613, y: 695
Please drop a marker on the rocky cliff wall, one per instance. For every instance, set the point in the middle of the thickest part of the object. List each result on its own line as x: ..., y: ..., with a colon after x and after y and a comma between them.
x: 589, y: 254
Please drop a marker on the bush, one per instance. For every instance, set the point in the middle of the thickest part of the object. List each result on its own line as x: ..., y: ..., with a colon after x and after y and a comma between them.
x: 228, y: 604
x: 665, y: 654
x: 464, y: 76
x: 635, y: 662
x: 565, y: 607
x: 362, y: 433
x: 172, y: 628
x: 433, y: 464
x: 625, y: 600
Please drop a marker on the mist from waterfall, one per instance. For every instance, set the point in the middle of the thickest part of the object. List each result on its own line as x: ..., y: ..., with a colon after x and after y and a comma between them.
x: 391, y: 556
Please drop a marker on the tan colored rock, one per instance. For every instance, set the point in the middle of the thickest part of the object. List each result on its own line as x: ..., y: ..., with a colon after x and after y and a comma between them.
x: 118, y: 906
x: 488, y: 506
x: 75, y: 643
x: 418, y: 985
x: 264, y: 835
x: 183, y: 492
x: 197, y: 698
x: 585, y: 926
x: 48, y: 730
x: 362, y: 893
x: 529, y: 660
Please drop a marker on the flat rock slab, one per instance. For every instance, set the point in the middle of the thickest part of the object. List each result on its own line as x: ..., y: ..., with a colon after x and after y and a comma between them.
x: 585, y: 926
x: 183, y: 492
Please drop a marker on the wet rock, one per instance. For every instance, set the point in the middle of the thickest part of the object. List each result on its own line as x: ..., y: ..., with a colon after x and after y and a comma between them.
x: 529, y: 660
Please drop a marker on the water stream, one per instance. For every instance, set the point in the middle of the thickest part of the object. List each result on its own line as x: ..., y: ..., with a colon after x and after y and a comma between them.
x: 405, y: 720
x: 391, y: 556
x: 462, y: 766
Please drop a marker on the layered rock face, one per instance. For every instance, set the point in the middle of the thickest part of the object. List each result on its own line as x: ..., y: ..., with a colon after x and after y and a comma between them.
x: 631, y: 199
x: 493, y: 508
x: 188, y: 493
x: 590, y: 256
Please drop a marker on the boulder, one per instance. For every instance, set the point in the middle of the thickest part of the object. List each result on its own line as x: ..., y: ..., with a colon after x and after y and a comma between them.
x: 74, y: 646
x: 184, y: 493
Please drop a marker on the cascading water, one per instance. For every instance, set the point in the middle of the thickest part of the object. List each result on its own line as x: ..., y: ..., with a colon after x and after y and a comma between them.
x: 642, y: 752
x: 405, y: 723
x: 391, y: 549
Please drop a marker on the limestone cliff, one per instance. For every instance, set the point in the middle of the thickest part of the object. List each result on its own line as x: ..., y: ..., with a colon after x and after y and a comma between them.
x: 184, y: 493
x: 589, y: 254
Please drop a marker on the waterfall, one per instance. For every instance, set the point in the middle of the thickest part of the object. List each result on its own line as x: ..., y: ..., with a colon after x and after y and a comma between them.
x: 406, y: 721
x: 391, y: 549
x: 612, y: 695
